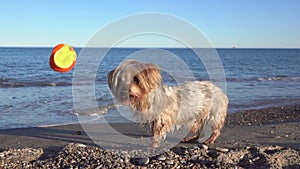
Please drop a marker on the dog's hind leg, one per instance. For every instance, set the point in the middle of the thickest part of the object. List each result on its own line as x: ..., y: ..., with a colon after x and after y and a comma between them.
x: 215, y: 134
x: 194, y: 132
x: 217, y: 125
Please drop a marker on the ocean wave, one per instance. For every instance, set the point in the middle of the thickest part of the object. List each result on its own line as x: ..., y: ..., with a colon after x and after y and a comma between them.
x: 97, y: 111
x: 32, y: 84
x: 279, y: 78
x: 261, y: 79
x: 12, y: 83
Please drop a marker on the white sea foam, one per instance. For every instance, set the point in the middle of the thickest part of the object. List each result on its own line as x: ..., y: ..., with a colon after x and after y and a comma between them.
x: 279, y: 78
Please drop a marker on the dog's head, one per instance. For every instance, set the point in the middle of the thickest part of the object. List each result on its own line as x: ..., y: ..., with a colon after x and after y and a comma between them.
x: 132, y: 81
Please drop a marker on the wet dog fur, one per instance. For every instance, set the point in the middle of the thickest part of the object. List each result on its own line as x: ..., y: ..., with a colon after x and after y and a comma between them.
x: 192, y: 104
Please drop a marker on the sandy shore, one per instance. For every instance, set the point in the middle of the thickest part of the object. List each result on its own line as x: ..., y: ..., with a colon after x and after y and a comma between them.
x: 265, y: 135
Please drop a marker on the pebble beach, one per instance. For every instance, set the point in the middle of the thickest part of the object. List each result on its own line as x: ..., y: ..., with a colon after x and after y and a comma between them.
x: 263, y: 138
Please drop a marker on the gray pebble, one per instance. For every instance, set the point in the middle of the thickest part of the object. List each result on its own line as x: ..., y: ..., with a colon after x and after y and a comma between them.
x: 99, y: 167
x: 94, y: 157
x: 161, y: 158
x: 170, y: 162
x: 2, y: 155
x: 223, y: 150
x: 182, y: 161
x: 194, y: 157
x: 144, y: 161
x: 205, y: 147
x: 195, y: 147
x: 127, y: 160
x: 80, y: 145
x: 204, y: 154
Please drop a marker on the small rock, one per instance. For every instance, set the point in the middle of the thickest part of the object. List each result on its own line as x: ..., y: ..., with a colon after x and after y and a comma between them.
x: 161, y: 158
x: 205, y: 147
x: 255, y: 159
x: 127, y: 160
x: 194, y: 157
x: 144, y: 161
x: 223, y: 150
x: 80, y: 145
x: 277, y: 136
x: 195, y: 147
x: 170, y: 162
x: 124, y: 153
x: 121, y: 160
x: 182, y: 161
x: 99, y: 167
x: 204, y: 154
x: 2, y: 155
x: 212, y: 154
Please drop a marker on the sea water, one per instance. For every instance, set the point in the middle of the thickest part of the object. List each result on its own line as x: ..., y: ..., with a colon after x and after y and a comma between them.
x: 32, y: 94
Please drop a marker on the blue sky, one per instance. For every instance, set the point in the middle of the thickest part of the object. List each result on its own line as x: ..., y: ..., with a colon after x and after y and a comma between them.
x: 240, y: 23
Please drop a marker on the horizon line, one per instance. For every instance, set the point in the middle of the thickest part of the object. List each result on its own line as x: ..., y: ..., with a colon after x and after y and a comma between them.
x: 165, y: 47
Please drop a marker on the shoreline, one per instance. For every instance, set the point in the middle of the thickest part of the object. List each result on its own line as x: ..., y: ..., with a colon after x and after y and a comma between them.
x: 232, y: 113
x: 269, y: 131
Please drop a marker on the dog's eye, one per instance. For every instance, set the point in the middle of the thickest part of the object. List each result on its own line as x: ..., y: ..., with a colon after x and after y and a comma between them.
x: 136, y: 80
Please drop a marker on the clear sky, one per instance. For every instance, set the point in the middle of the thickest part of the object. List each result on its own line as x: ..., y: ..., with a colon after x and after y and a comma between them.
x: 227, y: 23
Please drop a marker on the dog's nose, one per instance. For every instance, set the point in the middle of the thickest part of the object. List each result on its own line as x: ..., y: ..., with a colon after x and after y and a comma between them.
x: 124, y: 94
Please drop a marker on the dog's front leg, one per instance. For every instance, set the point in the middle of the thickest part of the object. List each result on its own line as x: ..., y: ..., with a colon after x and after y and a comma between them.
x: 159, y: 130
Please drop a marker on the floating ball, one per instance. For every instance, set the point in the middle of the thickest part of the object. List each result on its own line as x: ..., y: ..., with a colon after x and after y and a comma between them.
x: 63, y: 58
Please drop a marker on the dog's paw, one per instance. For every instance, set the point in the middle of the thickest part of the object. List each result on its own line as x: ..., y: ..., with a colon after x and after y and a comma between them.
x: 190, y: 139
x: 154, y: 146
x: 209, y: 141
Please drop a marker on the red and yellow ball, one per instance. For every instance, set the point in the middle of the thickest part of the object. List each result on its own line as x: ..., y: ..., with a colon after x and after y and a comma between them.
x: 63, y: 58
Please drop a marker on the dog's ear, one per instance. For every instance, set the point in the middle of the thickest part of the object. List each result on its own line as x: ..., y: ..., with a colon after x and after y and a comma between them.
x: 149, y: 77
x: 110, y: 77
